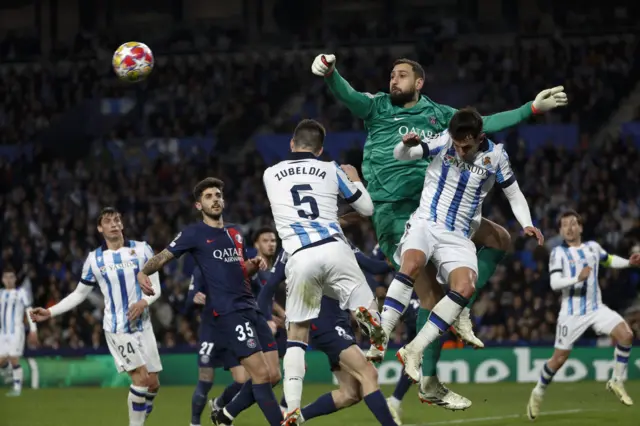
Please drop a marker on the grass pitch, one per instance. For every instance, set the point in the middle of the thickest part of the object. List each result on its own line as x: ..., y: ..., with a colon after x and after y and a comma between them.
x: 581, y: 404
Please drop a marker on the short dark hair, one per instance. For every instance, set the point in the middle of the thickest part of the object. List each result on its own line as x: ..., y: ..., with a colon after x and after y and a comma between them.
x: 263, y: 230
x: 309, y: 134
x: 569, y: 213
x: 107, y: 211
x: 8, y: 269
x: 465, y: 123
x: 415, y: 66
x: 205, y: 184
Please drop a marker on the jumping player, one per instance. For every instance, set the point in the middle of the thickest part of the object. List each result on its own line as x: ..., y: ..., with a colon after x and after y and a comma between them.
x: 303, y: 193
x: 127, y: 325
x: 219, y: 252
x: 573, y: 270
x: 395, y: 186
x: 465, y: 166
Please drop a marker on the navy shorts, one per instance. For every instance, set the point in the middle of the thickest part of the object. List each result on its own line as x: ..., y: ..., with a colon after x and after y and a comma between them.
x: 244, y: 333
x: 212, y: 354
x: 331, y: 338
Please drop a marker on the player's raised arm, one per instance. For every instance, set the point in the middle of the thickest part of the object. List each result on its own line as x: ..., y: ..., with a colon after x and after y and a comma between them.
x: 412, y: 148
x: 545, y: 101
x: 352, y: 189
x: 360, y: 104
x: 616, y: 262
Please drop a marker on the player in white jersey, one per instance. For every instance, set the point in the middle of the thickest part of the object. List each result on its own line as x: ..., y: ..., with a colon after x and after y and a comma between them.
x: 465, y: 165
x: 303, y: 192
x: 127, y: 326
x: 573, y: 270
x: 14, y: 303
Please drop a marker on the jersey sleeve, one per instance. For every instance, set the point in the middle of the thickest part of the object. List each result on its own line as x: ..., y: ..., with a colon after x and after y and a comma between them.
x: 148, y: 252
x: 183, y: 242
x: 556, y: 261
x: 603, y: 255
x: 87, y: 277
x: 504, y: 174
x: 26, y: 299
x: 265, y: 297
x: 432, y: 146
x: 347, y: 189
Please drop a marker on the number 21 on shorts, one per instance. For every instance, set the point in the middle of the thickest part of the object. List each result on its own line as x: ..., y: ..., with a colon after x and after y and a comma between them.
x: 244, y: 331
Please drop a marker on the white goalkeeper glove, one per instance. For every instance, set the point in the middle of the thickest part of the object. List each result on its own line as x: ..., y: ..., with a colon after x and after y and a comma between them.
x: 549, y: 99
x: 323, y: 65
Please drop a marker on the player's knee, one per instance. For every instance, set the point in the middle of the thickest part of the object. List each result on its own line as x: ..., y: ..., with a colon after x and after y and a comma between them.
x: 560, y: 357
x: 275, y: 376
x: 625, y: 336
x: 140, y: 377
x: 349, y: 396
x: 205, y: 375
x: 261, y: 375
x: 465, y: 286
x: 412, y: 262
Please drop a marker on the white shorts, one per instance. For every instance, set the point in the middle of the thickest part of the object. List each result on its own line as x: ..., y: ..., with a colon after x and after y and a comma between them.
x: 329, y: 269
x: 572, y: 327
x: 133, y: 350
x: 446, y: 249
x: 11, y: 345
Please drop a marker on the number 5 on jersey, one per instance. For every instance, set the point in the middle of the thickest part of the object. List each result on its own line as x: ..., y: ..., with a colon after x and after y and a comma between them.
x: 245, y: 331
x: 307, y: 199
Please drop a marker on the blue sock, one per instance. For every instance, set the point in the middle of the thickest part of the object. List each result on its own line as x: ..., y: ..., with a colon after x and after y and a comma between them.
x: 199, y: 400
x: 283, y: 402
x: 320, y: 407
x: 266, y: 399
x: 378, y: 406
x: 228, y: 393
x: 402, y: 387
x: 243, y: 400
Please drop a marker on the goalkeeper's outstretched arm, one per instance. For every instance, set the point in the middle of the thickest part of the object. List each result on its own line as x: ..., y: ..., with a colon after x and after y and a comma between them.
x: 360, y: 104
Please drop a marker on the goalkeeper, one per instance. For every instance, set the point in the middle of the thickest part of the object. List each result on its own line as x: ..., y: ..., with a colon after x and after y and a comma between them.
x: 395, y: 188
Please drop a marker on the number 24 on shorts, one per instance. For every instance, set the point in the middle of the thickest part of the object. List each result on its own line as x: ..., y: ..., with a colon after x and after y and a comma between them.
x: 244, y: 332
x: 129, y: 348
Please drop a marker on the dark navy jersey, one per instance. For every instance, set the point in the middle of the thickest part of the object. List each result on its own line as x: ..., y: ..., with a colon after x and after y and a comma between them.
x: 258, y: 281
x: 219, y: 254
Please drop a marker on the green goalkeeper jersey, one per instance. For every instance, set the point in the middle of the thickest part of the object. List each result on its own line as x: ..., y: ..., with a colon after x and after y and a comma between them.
x: 387, y: 178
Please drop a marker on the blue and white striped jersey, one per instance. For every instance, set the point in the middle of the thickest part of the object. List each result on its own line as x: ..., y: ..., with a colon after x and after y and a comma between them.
x: 454, y: 189
x: 303, y: 193
x: 13, y: 303
x: 114, y: 272
x: 583, y: 297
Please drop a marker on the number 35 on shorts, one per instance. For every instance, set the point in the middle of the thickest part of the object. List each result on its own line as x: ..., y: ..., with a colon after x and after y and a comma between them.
x: 244, y: 331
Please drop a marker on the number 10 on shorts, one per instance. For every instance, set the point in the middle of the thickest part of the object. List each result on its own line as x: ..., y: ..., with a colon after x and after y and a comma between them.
x: 244, y: 331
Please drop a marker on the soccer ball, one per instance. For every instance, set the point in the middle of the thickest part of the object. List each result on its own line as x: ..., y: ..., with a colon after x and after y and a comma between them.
x: 133, y: 61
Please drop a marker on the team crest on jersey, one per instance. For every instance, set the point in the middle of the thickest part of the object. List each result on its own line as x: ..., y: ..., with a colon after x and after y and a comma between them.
x: 132, y: 252
x: 251, y: 343
x: 239, y: 238
x: 486, y: 161
x: 204, y: 359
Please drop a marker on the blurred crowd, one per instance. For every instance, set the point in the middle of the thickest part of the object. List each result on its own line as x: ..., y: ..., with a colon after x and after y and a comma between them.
x: 49, y: 225
x: 50, y: 204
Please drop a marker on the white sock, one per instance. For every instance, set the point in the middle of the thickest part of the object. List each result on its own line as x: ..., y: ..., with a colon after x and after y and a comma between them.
x: 294, y: 370
x: 137, y: 402
x: 17, y: 378
x: 621, y: 361
x: 444, y: 313
x: 396, y: 301
x: 546, y: 376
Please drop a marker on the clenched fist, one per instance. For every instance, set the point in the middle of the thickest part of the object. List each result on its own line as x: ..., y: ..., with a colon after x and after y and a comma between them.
x: 323, y: 64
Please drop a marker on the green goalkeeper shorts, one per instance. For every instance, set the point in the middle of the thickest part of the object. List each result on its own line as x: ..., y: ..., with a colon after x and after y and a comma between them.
x: 389, y: 219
